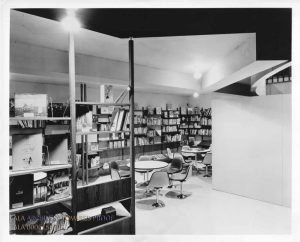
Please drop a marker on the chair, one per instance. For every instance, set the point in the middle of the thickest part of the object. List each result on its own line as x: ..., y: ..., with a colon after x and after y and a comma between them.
x: 207, y: 162
x: 185, y: 163
x: 169, y: 153
x: 182, y: 177
x: 115, y: 175
x: 158, y: 180
x: 176, y: 165
x: 113, y: 165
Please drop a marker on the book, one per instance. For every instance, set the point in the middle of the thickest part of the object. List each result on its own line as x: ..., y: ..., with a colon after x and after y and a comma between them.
x: 21, y: 191
x: 120, y: 120
x: 57, y: 149
x: 58, y: 185
x: 106, y: 94
x: 27, y: 151
x: 115, y: 117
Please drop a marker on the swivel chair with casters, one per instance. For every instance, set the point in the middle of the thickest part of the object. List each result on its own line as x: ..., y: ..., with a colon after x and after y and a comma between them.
x: 207, y: 162
x: 158, y: 180
x: 114, y: 165
x: 182, y: 177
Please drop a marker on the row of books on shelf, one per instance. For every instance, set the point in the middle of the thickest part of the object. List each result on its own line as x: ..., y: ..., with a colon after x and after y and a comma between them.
x: 206, y: 121
x: 101, y: 119
x: 169, y: 129
x: 200, y: 132
x: 140, y: 130
x: 154, y: 121
x: 27, y: 189
x: 196, y: 111
x: 170, y: 114
x: 138, y: 141
x: 140, y: 120
x: 154, y: 133
x: 86, y: 118
x: 172, y: 138
x: 174, y: 121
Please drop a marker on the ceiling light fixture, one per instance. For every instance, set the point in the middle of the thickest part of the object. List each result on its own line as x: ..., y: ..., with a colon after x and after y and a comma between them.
x: 197, y: 75
x: 70, y: 22
x: 196, y: 94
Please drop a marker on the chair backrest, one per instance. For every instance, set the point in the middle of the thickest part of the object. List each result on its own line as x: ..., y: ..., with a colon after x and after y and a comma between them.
x: 114, y: 165
x: 207, y: 159
x: 169, y: 153
x: 115, y: 175
x: 145, y: 157
x: 159, y: 179
x: 177, y: 161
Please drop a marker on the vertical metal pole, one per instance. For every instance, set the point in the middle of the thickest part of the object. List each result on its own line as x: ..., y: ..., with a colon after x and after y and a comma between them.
x: 73, y: 126
x: 132, y: 153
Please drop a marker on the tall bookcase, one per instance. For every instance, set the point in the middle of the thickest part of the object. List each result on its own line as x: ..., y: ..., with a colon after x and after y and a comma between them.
x: 87, y: 201
x: 196, y: 123
x: 99, y: 192
x: 30, y: 193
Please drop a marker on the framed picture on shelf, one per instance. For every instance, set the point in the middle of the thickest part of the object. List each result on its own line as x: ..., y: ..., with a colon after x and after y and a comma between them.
x: 31, y: 105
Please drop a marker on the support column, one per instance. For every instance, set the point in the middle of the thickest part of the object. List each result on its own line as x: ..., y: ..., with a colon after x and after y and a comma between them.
x: 73, y: 125
x: 132, y: 152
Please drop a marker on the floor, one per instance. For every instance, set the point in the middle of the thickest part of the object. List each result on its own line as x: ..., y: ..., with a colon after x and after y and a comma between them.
x: 208, y: 211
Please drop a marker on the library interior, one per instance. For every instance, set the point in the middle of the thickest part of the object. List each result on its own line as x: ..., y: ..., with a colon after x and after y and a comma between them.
x: 149, y: 121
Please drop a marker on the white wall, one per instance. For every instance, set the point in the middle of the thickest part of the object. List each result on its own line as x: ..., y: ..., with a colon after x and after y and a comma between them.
x: 252, y: 147
x: 59, y: 93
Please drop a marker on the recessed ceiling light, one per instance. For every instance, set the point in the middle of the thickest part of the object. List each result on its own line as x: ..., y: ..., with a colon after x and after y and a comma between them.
x: 196, y: 94
x: 197, y: 75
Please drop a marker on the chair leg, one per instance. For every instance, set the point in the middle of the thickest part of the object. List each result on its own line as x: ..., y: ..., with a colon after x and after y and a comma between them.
x: 157, y: 202
x: 206, y: 172
x: 181, y: 195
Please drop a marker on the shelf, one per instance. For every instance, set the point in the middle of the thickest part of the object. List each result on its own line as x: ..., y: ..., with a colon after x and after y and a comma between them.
x: 42, y: 169
x: 38, y: 205
x: 103, y: 104
x: 90, y: 230
x: 100, y: 132
x: 120, y: 210
x: 40, y: 118
x: 171, y: 132
x: 170, y: 117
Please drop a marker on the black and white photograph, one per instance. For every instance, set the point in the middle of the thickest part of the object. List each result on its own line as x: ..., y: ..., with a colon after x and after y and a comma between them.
x: 154, y: 121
